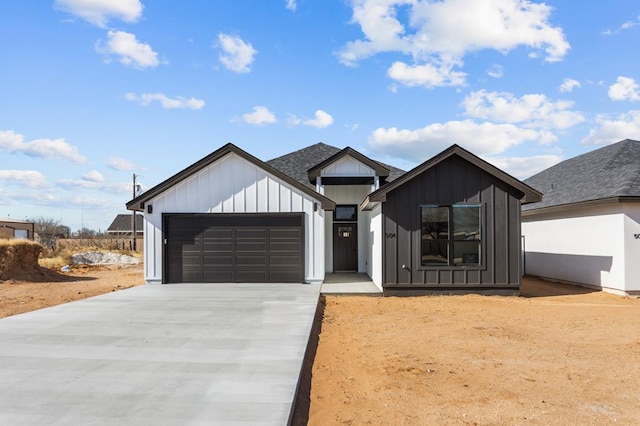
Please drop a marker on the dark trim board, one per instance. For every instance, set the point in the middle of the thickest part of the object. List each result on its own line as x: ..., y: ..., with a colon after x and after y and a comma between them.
x: 239, y: 247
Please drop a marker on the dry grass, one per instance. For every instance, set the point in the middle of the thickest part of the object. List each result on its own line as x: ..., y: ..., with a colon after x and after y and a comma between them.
x: 14, y: 242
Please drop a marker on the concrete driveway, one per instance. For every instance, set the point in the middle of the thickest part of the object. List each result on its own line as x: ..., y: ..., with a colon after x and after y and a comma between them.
x: 188, y: 354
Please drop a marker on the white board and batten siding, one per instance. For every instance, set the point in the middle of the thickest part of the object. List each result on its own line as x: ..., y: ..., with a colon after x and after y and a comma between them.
x: 595, y: 246
x: 347, y: 166
x: 234, y: 185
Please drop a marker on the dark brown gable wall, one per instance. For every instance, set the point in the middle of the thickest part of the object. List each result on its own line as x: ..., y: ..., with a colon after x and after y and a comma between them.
x: 453, y: 181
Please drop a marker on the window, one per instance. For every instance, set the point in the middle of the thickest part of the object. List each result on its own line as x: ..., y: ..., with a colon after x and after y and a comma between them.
x: 21, y: 234
x: 346, y: 213
x: 450, y: 235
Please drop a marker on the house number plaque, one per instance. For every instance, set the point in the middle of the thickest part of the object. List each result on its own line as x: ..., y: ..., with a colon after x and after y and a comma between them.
x: 390, y: 235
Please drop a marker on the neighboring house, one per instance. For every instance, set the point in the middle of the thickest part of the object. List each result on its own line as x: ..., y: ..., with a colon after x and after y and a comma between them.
x: 586, y: 229
x: 18, y: 229
x: 121, y: 226
x: 450, y: 224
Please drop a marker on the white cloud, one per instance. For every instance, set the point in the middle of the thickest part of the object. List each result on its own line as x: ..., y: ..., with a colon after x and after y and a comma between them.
x: 495, y: 71
x: 291, y: 5
x: 260, y: 115
x: 427, y: 75
x: 625, y: 89
x: 568, y: 85
x: 524, y: 167
x: 145, y: 99
x: 625, y: 26
x: 532, y: 110
x: 131, y: 52
x: 121, y: 164
x: 321, y: 120
x: 24, y: 178
x: 99, y: 12
x: 236, y: 54
x: 441, y: 33
x: 420, y: 144
x: 614, y: 129
x: 41, y: 148
x: 93, y: 176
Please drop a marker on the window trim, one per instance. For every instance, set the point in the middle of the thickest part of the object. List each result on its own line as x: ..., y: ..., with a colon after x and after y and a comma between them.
x: 450, y: 265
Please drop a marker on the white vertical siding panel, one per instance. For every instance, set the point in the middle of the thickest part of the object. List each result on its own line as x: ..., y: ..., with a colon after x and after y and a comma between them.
x: 239, y: 167
x: 250, y: 178
x: 202, y: 196
x: 285, y: 199
x: 227, y: 178
x: 263, y: 192
x: 274, y: 195
x: 296, y: 201
x: 215, y: 190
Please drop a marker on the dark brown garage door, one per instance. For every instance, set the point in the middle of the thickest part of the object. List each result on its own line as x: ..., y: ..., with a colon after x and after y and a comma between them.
x: 209, y: 248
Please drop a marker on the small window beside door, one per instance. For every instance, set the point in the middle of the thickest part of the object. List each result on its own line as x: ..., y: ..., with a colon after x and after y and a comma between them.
x: 346, y: 213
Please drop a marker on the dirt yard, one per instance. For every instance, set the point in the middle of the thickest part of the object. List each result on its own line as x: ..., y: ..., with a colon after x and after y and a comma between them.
x: 561, y: 355
x: 53, y: 288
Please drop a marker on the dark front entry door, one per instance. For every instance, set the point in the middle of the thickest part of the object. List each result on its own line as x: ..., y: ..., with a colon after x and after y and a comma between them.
x: 345, y: 247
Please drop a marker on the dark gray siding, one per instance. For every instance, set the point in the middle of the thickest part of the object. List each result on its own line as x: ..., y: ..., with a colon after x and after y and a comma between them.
x: 453, y: 181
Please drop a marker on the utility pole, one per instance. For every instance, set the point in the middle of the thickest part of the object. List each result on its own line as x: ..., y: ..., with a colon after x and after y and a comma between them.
x: 133, y: 219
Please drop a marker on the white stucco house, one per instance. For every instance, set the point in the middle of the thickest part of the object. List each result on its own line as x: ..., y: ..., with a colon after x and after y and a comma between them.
x: 451, y: 223
x: 586, y: 228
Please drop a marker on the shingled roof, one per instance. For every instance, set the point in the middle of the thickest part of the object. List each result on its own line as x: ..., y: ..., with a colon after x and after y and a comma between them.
x: 609, y: 173
x: 122, y: 224
x: 297, y: 164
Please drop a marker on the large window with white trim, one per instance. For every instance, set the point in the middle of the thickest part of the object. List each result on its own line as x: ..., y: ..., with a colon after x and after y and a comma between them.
x: 451, y: 235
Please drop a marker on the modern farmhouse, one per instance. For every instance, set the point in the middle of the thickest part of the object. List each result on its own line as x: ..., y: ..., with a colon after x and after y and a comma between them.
x: 451, y: 224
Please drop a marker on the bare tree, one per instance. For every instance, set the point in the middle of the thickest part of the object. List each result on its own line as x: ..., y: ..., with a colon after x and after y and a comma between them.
x: 47, y: 230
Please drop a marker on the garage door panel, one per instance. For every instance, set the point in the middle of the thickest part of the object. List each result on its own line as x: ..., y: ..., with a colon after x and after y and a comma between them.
x: 251, y: 246
x: 284, y: 261
x: 251, y: 233
x: 284, y: 246
x: 217, y: 277
x: 218, y: 247
x: 286, y: 233
x: 235, y: 248
x: 260, y: 261
x: 218, y: 233
x: 218, y: 261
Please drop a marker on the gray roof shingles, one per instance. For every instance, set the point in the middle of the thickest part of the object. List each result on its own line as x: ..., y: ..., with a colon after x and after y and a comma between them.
x: 122, y: 223
x: 609, y: 172
x: 297, y: 163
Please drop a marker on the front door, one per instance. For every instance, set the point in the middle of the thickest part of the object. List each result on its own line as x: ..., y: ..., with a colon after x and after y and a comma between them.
x: 345, y: 247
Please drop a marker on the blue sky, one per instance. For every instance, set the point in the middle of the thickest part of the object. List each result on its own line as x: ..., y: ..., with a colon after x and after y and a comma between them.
x: 93, y: 91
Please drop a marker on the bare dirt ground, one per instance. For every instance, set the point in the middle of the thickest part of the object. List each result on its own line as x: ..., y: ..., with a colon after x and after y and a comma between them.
x: 559, y: 356
x: 48, y: 288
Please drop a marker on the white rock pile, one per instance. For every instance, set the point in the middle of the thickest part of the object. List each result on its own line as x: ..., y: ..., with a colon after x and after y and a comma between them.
x: 103, y: 258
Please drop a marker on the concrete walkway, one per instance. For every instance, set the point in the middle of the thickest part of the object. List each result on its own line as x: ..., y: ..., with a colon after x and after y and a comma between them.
x: 188, y: 354
x: 349, y: 283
